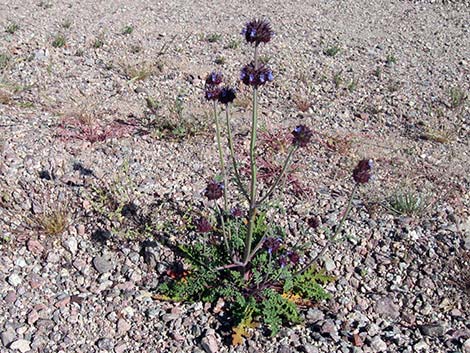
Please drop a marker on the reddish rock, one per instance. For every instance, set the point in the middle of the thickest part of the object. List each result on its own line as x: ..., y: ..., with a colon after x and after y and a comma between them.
x: 33, y: 316
x: 35, y: 281
x: 35, y: 247
x: 10, y: 297
x: 63, y: 302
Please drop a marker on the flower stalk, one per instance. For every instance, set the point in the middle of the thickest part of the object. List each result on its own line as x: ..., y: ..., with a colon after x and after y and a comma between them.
x: 221, y: 156
x: 253, y: 171
x: 236, y: 173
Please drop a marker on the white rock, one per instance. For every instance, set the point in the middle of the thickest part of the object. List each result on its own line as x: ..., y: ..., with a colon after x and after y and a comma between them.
x: 71, y: 245
x: 21, y: 345
x: 378, y: 345
x: 20, y: 262
x: 14, y: 279
x: 209, y: 342
x: 466, y: 346
x: 123, y: 326
x: 420, y: 346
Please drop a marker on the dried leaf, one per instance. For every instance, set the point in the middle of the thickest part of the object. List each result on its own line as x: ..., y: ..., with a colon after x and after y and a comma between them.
x: 241, y: 330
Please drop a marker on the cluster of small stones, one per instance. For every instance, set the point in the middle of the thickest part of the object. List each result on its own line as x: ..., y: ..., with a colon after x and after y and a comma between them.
x: 80, y: 292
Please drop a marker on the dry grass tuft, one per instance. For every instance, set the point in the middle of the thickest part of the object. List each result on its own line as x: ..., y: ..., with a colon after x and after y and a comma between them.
x: 5, y: 97
x: 139, y: 72
x: 53, y: 222
x: 302, y: 103
x: 438, y: 135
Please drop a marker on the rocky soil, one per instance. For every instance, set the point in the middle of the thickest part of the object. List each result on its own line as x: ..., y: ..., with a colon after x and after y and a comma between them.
x: 103, y: 127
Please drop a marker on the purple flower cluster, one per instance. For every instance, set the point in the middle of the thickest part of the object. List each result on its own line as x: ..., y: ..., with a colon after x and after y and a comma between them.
x: 291, y: 257
x: 236, y: 212
x: 272, y: 244
x: 214, y: 78
x: 203, y: 225
x: 257, y: 31
x: 227, y: 95
x: 213, y: 91
x: 302, y: 136
x: 214, y: 190
x: 363, y: 171
x: 313, y: 222
x: 252, y: 76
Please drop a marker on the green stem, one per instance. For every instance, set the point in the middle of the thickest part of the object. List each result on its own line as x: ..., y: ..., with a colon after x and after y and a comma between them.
x: 335, y: 234
x: 232, y: 155
x: 224, y: 234
x: 221, y: 156
x: 279, y: 177
x: 252, y: 210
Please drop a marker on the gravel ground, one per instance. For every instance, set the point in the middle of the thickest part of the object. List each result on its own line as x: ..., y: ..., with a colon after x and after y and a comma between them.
x: 88, y: 91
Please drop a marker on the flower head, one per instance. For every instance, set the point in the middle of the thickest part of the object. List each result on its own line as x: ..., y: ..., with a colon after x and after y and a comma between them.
x: 212, y: 92
x: 363, y: 171
x: 214, y: 190
x: 211, y: 88
x: 272, y: 244
x: 257, y: 31
x: 252, y: 76
x: 283, y: 261
x: 302, y: 136
x: 313, y: 222
x: 293, y: 257
x: 236, y: 212
x: 214, y: 78
x: 202, y: 225
x: 227, y: 95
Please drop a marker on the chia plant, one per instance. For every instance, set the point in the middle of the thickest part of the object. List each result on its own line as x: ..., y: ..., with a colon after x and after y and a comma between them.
x: 242, y: 257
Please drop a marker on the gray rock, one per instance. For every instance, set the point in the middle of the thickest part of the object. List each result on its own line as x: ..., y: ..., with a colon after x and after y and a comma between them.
x: 314, y: 315
x: 420, y: 346
x: 8, y: 336
x: 20, y: 262
x: 103, y: 264
x: 14, y: 279
x: 373, y: 330
x: 53, y: 257
x: 45, y: 324
x: 284, y: 349
x: 308, y: 348
x: 151, y: 252
x: 121, y: 348
x: 466, y: 244
x: 71, y: 245
x: 329, y: 327
x: 41, y: 54
x: 10, y: 297
x: 378, y: 345
x: 105, y: 344
x: 123, y: 326
x: 134, y: 257
x: 152, y: 313
x: 329, y: 264
x: 385, y: 307
x: 38, y: 342
x: 170, y: 317
x: 466, y: 346
x: 209, y: 342
x: 21, y: 345
x: 435, y: 330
